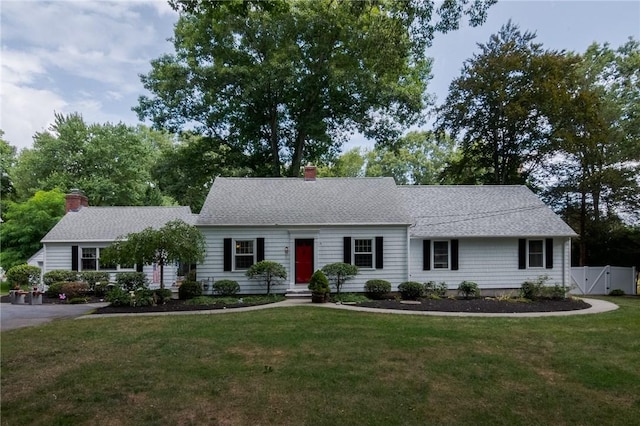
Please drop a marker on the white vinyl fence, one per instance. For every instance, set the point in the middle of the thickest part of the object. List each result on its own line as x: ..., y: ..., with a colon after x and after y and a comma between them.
x: 603, y: 279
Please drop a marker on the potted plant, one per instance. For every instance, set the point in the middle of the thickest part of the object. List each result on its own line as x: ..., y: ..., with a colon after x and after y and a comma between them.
x: 319, y: 286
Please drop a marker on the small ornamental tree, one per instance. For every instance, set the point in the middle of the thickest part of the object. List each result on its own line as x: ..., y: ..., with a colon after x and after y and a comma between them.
x: 339, y: 272
x: 23, y: 276
x: 176, y: 241
x: 268, y: 271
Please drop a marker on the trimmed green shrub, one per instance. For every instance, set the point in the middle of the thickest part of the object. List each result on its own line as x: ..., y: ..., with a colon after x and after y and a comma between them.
x: 58, y: 275
x: 226, y: 287
x: 433, y: 290
x: 411, y: 290
x: 189, y: 290
x: 377, y: 289
x: 94, y: 277
x: 162, y: 295
x: 74, y: 289
x: 338, y: 273
x: 23, y: 276
x: 143, y: 297
x: 319, y: 283
x: 100, y: 289
x: 78, y: 301
x: 617, y: 292
x: 270, y: 272
x: 118, y: 296
x: 555, y: 291
x: 468, y: 289
x: 533, y: 290
x: 131, y: 280
x: 55, y: 289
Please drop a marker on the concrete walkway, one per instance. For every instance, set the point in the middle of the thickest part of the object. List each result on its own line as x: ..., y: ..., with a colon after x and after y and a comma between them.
x: 16, y: 316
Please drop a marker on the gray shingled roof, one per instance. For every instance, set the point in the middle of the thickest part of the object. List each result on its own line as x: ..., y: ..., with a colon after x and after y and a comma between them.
x: 480, y: 211
x: 108, y: 223
x: 294, y: 201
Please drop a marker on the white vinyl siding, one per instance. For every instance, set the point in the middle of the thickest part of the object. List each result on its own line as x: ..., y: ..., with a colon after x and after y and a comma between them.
x: 328, y: 248
x: 490, y: 262
x: 58, y: 256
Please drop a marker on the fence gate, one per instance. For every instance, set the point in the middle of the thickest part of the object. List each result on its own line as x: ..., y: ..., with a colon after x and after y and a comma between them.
x: 603, y: 279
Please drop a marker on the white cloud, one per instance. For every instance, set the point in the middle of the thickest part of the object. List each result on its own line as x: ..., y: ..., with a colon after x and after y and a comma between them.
x: 76, y: 56
x: 25, y: 111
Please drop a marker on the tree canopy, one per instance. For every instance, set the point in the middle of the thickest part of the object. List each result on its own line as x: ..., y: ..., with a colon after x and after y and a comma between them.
x: 109, y: 163
x: 503, y: 104
x: 176, y: 241
x: 417, y: 158
x: 286, y: 82
x: 24, y: 225
x: 595, y: 176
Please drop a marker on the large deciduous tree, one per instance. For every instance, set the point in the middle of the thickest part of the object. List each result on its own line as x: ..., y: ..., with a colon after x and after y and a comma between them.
x: 285, y: 82
x: 417, y: 158
x: 24, y: 224
x: 110, y: 162
x: 176, y: 241
x: 503, y: 104
x: 7, y: 163
x: 186, y: 169
x: 596, y: 174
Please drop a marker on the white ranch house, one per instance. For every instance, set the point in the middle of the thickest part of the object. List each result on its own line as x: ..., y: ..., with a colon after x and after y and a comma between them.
x: 497, y: 236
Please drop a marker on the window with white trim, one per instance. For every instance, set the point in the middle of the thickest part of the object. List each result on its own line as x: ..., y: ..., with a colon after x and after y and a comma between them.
x: 90, y: 261
x: 244, y: 254
x: 363, y: 252
x: 536, y: 253
x: 441, y: 255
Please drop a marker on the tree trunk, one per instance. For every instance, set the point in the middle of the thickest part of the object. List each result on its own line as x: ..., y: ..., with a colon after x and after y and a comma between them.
x: 583, y: 220
x: 273, y: 140
x: 296, y: 160
x: 161, y: 265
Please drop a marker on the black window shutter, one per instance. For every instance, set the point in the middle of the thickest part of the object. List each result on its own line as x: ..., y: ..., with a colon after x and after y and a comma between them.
x: 522, y: 253
x: 260, y: 250
x: 139, y: 267
x: 74, y: 258
x: 379, y: 253
x: 549, y: 253
x: 227, y: 254
x: 454, y: 255
x: 426, y: 255
x: 347, y: 250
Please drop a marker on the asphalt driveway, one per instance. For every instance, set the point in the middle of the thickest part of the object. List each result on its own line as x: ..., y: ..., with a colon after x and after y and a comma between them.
x: 17, y: 316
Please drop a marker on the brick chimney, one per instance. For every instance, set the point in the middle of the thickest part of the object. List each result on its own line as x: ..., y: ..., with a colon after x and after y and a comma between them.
x: 75, y: 201
x: 309, y: 173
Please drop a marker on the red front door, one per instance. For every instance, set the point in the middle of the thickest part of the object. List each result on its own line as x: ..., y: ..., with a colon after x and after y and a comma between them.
x: 304, y: 261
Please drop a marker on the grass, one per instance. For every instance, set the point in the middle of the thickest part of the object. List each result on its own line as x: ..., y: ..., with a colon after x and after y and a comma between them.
x: 310, y: 365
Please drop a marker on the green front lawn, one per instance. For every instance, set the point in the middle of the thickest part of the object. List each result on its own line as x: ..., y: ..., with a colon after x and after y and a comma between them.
x: 311, y: 365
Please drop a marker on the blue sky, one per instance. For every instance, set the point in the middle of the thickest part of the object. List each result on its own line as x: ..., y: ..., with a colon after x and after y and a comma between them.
x: 86, y: 56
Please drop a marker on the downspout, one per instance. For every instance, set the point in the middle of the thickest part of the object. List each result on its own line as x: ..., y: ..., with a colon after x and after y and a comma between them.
x: 408, y: 276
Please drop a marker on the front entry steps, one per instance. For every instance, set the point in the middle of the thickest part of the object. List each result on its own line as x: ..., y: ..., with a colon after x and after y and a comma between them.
x: 298, y: 293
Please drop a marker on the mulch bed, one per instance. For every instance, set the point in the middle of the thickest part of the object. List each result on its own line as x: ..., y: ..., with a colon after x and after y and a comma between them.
x: 171, y: 306
x: 481, y: 305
